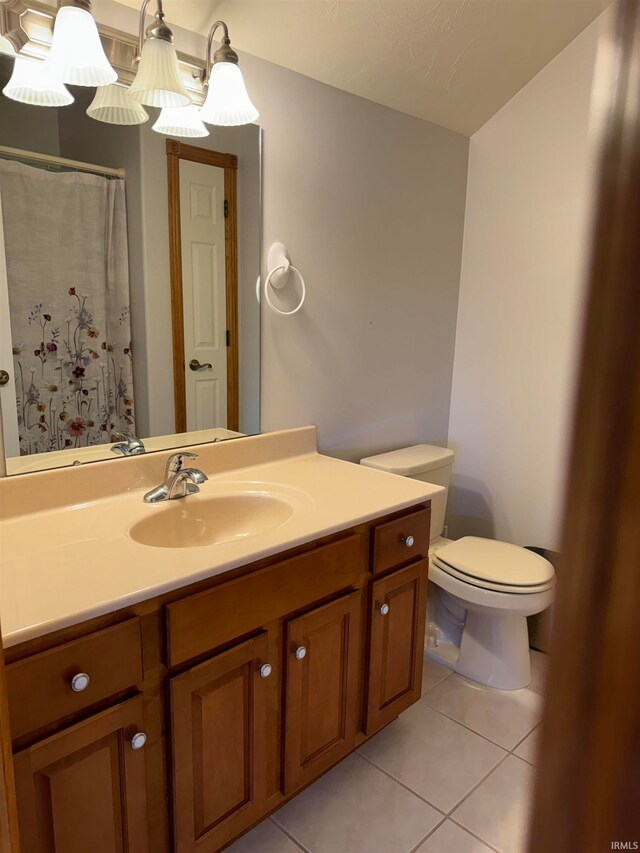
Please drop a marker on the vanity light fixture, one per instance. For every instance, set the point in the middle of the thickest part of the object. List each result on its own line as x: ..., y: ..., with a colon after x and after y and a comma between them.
x: 76, y: 50
x: 227, y: 103
x: 33, y: 82
x: 12, y: 42
x: 181, y: 121
x: 157, y: 82
x: 113, y: 105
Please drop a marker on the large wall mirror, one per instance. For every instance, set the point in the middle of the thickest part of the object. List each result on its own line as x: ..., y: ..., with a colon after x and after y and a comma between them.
x: 128, y: 269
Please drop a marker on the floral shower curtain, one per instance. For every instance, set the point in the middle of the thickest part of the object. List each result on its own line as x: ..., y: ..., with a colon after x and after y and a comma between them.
x: 66, y: 249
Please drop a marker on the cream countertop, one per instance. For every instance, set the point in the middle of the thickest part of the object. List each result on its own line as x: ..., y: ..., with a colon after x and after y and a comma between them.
x: 68, y: 562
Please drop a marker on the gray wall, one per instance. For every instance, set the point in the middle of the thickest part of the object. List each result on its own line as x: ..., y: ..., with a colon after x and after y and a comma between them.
x: 370, y: 203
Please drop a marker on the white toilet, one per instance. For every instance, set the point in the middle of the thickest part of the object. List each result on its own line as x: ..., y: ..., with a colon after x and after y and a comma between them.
x: 480, y: 591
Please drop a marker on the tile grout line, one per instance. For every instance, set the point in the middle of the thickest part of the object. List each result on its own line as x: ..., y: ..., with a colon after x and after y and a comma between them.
x: 288, y: 835
x: 406, y: 787
x: 444, y: 678
x: 477, y: 785
x: 477, y: 837
x: 465, y: 726
x: 513, y: 751
x: 429, y: 834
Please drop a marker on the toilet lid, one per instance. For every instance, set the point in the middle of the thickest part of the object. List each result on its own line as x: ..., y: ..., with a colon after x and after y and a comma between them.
x: 496, y: 562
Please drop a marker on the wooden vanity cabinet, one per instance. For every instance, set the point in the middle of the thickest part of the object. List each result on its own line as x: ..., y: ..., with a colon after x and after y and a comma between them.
x: 84, y: 789
x: 249, y: 686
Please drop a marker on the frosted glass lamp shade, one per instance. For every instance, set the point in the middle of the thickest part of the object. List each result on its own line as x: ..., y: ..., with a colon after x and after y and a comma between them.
x: 76, y: 50
x: 113, y: 105
x: 227, y: 103
x: 181, y: 121
x: 34, y: 82
x: 158, y: 82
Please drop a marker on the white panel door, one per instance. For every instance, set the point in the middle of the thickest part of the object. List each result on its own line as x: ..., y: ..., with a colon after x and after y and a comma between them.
x: 204, y: 294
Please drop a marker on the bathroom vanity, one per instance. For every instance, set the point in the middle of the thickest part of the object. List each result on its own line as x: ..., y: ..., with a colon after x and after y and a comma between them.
x: 180, y: 714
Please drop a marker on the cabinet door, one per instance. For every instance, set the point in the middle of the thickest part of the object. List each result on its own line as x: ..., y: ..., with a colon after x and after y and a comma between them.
x: 218, y: 713
x: 322, y: 674
x: 398, y: 612
x: 84, y: 789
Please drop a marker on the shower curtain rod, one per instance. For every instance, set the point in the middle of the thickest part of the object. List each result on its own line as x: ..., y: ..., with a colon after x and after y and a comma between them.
x: 61, y: 161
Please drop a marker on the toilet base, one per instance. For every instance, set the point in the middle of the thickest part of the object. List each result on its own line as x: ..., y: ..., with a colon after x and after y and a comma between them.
x: 494, y: 650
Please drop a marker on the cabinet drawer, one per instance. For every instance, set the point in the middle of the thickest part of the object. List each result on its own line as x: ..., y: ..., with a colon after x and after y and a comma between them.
x: 39, y: 686
x: 201, y: 622
x: 401, y: 540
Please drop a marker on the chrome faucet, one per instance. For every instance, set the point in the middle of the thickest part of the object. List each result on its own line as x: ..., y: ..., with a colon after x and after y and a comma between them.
x: 130, y: 446
x: 178, y: 480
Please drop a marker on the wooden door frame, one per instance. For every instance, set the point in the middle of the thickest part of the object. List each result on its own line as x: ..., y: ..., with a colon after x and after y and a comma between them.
x: 588, y: 784
x: 177, y: 151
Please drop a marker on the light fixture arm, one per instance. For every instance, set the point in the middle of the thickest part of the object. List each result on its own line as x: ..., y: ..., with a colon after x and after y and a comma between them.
x: 158, y: 31
x: 225, y: 53
x: 17, y: 37
x: 79, y: 4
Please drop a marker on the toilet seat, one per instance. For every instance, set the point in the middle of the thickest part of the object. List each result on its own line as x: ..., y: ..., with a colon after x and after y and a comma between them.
x: 495, y: 566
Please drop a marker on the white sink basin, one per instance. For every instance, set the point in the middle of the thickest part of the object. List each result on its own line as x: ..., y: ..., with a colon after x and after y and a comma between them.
x: 199, y: 520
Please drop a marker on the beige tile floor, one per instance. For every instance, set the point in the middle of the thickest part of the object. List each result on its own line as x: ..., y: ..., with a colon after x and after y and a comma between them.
x: 453, y: 774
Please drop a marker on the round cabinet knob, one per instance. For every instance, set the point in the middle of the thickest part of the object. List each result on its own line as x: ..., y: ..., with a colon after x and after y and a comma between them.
x: 80, y: 682
x: 265, y: 670
x: 383, y: 609
x: 408, y: 541
x: 300, y: 652
x: 138, y: 740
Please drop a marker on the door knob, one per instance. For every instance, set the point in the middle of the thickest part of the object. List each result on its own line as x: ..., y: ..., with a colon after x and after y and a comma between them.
x: 265, y: 670
x: 383, y: 609
x: 300, y: 652
x: 194, y: 364
x: 4, y: 377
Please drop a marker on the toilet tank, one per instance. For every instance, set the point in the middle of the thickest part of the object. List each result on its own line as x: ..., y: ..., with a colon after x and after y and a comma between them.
x: 425, y: 462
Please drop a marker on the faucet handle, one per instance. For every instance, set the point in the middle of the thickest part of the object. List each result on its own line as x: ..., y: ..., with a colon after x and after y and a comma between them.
x: 176, y: 461
x: 131, y: 445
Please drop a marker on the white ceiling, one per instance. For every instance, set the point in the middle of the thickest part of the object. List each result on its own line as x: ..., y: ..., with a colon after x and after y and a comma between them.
x: 452, y: 62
